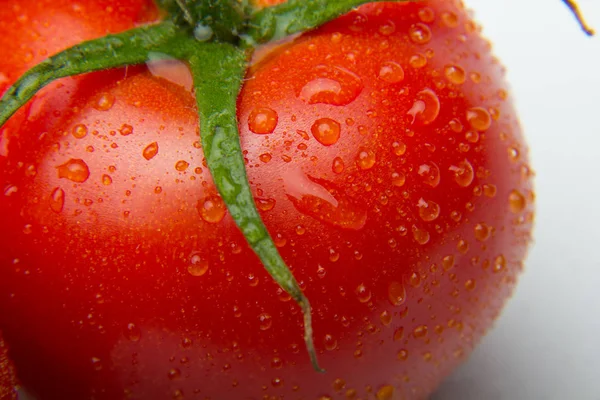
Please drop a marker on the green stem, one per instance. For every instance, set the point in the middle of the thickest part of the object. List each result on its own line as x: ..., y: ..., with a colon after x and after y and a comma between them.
x: 295, y: 16
x: 218, y: 71
x: 127, y: 48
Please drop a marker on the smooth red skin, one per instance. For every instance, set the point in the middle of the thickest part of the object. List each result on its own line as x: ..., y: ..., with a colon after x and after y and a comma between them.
x: 71, y: 282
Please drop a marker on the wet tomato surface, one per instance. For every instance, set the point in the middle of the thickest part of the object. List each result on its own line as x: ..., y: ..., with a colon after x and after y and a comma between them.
x: 386, y: 160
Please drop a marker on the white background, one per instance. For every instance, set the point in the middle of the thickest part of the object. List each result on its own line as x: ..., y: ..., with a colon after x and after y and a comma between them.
x: 546, y: 345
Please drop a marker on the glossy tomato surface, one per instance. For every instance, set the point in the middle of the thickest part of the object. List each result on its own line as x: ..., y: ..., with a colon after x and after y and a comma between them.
x: 387, y: 163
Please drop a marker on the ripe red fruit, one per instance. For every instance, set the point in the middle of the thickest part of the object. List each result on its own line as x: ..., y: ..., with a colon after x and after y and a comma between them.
x: 386, y: 160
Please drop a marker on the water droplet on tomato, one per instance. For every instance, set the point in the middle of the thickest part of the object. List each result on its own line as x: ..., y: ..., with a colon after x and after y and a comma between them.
x: 10, y: 190
x: 490, y: 190
x: 106, y: 180
x: 75, y: 170
x: 470, y: 284
x: 430, y: 173
x: 126, y: 130
x: 174, y: 373
x: 212, y: 209
x: 335, y: 86
x: 338, y: 165
x: 398, y: 179
x: 197, y: 266
x: 385, y: 393
x: 57, y: 200
x: 181, y: 165
x: 396, y: 293
x: 463, y: 173
x: 150, y: 151
x: 426, y: 14
x: 482, y: 232
x: 263, y: 120
x: 265, y: 204
x: 399, y: 148
x: 79, y: 131
x: 391, y: 72
x: 265, y: 321
x: 462, y: 246
x: 417, y: 61
x: 426, y: 108
x: 324, y: 201
x: 362, y: 293
x: 330, y: 342
x: 402, y: 355
x: 338, y: 384
x: 326, y: 131
x: 421, y: 236
x: 516, y: 201
x: 448, y: 262
x: 499, y: 264
x: 479, y: 118
x: 105, y: 102
x: 420, y: 331
x: 265, y: 157
x: 365, y: 159
x: 450, y: 19
x: 132, y: 332
x: 428, y: 210
x: 420, y: 33
x: 455, y: 74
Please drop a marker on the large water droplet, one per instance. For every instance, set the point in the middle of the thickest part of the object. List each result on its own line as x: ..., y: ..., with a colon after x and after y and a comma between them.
x: 420, y: 33
x: 105, y: 102
x: 324, y: 201
x: 428, y: 210
x: 197, y: 266
x: 430, y: 173
x: 455, y: 74
x: 482, y: 232
x: 516, y: 201
x: 362, y: 293
x: 79, y: 131
x: 385, y: 393
x: 479, y: 118
x: 396, y: 293
x: 263, y: 120
x: 463, y: 173
x: 75, y: 170
x: 391, y: 72
x: 150, y: 151
x: 326, y: 131
x: 365, y: 159
x: 212, y: 209
x: 332, y: 85
x: 265, y: 321
x: 426, y: 107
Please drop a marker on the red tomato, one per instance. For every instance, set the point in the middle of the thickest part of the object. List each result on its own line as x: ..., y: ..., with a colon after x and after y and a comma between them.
x: 388, y: 165
x: 7, y: 378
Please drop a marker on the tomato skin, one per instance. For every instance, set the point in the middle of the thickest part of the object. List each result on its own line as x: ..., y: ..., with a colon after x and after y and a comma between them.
x: 7, y: 374
x: 121, y: 275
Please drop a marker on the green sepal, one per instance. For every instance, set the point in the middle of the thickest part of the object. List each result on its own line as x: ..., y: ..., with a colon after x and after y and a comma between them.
x: 295, y: 16
x: 218, y: 71
x: 128, y: 48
